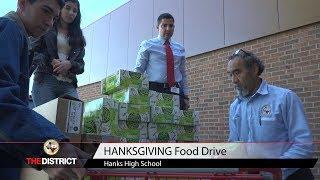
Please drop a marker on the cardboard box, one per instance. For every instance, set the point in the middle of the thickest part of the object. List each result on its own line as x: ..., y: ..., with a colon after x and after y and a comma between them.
x: 188, y: 133
x: 126, y: 129
x: 164, y: 100
x: 65, y: 112
x: 162, y: 132
x: 134, y: 140
x: 187, y: 118
x: 133, y: 112
x: 132, y: 95
x: 123, y: 79
x: 132, y: 129
x: 163, y: 114
x: 162, y: 141
x: 97, y: 112
x: 102, y: 117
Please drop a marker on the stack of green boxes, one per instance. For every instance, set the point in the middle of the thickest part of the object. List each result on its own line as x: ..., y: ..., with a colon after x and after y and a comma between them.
x: 168, y: 123
x: 188, y: 126
x: 173, y: 125
x: 100, y: 116
x: 129, y: 93
x: 135, y: 114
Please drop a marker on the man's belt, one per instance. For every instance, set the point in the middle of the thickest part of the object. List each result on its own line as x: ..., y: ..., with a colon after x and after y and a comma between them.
x: 156, y: 85
x: 165, y: 86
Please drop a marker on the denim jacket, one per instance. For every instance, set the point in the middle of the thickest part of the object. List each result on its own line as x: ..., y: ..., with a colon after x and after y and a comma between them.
x: 18, y: 123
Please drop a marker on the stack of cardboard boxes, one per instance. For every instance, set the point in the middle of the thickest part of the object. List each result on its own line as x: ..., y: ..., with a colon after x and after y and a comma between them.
x: 128, y: 112
x: 134, y: 114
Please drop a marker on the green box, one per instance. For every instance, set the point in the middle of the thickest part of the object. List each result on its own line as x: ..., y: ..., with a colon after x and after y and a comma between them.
x: 123, y: 79
x: 131, y: 130
x: 163, y: 114
x: 162, y: 132
x: 133, y: 112
x: 188, y: 133
x: 134, y: 140
x: 187, y: 118
x: 164, y: 100
x: 109, y: 128
x: 132, y: 95
x: 161, y: 141
x: 97, y: 112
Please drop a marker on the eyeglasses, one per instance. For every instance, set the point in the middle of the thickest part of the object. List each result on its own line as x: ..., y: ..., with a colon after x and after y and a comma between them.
x: 239, y: 52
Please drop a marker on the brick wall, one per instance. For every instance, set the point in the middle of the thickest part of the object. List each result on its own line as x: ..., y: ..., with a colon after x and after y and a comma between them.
x: 292, y: 61
x: 90, y: 91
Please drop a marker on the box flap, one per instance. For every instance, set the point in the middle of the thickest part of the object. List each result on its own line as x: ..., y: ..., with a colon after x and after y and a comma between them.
x: 48, y: 110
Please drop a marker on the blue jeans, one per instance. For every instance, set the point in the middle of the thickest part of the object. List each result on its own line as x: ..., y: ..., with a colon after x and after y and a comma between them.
x: 50, y: 88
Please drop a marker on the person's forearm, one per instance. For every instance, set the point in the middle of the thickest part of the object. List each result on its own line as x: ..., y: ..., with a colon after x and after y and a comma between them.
x: 299, y: 150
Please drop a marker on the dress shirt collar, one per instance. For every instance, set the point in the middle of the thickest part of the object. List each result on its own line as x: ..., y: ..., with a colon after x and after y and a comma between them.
x: 263, y: 90
x: 162, y: 40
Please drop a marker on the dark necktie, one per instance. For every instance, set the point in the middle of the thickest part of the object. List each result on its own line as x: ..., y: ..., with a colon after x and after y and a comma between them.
x: 170, y: 64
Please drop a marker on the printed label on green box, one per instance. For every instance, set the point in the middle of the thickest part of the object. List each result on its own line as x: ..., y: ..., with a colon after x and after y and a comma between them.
x: 122, y: 80
x: 98, y: 111
x: 132, y: 112
x: 132, y: 95
x: 132, y: 129
x: 162, y: 132
x: 187, y: 117
x: 162, y: 115
x: 188, y: 133
x: 164, y: 100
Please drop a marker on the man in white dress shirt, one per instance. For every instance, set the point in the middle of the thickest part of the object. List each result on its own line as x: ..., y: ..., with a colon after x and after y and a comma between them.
x: 163, y: 60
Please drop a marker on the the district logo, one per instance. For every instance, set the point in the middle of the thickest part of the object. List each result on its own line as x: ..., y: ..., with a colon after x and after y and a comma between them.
x: 51, y: 147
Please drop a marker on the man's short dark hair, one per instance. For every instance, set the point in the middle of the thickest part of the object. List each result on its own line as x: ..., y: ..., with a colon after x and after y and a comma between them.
x: 60, y: 2
x: 249, y: 59
x: 164, y: 16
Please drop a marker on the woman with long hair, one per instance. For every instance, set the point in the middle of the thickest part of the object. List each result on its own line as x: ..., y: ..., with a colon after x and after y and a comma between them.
x: 59, y: 57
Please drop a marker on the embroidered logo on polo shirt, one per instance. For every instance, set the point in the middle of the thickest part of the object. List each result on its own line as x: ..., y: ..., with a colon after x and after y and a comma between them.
x: 266, y: 110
